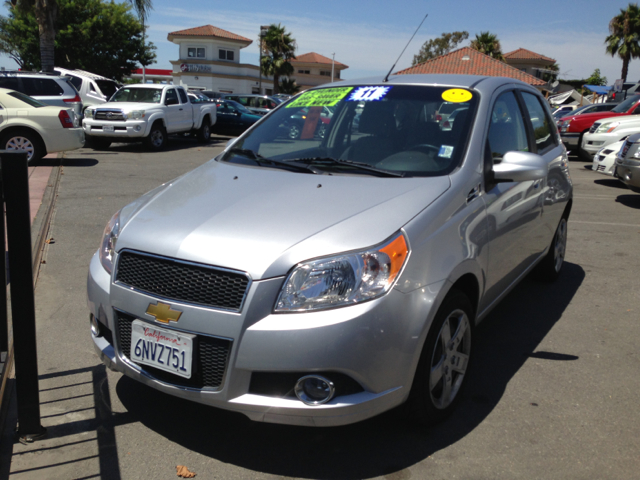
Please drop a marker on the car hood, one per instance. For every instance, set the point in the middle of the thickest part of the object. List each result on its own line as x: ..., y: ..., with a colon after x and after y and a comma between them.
x: 625, y: 120
x: 128, y: 106
x: 263, y: 221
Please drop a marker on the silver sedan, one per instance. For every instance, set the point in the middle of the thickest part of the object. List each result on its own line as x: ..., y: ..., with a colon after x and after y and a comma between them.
x: 321, y: 281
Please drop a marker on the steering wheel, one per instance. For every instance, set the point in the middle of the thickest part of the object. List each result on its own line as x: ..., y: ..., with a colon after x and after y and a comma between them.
x: 425, y: 147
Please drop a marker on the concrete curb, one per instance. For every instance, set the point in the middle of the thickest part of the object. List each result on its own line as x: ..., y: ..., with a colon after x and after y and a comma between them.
x: 39, y: 229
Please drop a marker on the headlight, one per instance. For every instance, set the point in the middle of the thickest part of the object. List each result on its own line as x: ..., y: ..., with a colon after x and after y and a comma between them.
x: 136, y: 114
x: 565, y: 125
x: 107, y: 250
x: 607, y: 127
x: 89, y: 112
x: 344, y: 279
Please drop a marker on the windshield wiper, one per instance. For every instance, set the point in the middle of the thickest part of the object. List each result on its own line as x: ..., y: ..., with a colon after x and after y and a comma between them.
x: 260, y: 160
x: 349, y: 163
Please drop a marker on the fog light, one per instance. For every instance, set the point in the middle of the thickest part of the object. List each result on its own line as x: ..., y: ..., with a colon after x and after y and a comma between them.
x: 314, y: 390
x: 138, y: 128
x: 95, y: 326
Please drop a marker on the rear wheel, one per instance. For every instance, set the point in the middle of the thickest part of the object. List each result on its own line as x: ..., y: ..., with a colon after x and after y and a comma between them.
x: 442, y: 371
x: 204, y: 132
x: 23, y: 140
x: 549, y: 268
x: 294, y: 131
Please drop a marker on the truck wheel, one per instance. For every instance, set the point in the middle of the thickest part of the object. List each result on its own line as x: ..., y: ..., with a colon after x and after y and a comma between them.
x: 97, y: 143
x: 204, y: 132
x: 157, y: 138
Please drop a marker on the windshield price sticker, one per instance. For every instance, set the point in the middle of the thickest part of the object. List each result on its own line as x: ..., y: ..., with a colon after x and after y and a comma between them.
x: 326, y: 97
x: 456, y: 95
x: 368, y: 94
x: 445, y: 151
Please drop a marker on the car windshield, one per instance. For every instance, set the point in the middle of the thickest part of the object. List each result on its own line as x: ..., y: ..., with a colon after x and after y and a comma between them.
x: 384, y: 128
x: 137, y: 95
x: 26, y: 99
x: 626, y: 105
x: 107, y: 87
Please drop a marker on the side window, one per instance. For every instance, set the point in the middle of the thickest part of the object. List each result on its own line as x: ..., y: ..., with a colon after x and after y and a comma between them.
x: 91, y: 87
x: 543, y: 131
x: 172, y: 97
x: 77, y: 82
x: 41, y: 86
x: 183, y: 96
x: 10, y: 82
x: 507, y: 132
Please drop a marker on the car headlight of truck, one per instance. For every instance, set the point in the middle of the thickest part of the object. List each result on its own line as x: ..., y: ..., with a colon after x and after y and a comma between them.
x: 607, y: 127
x: 565, y: 126
x: 344, y: 279
x: 136, y: 114
x: 89, y: 113
x: 107, y: 250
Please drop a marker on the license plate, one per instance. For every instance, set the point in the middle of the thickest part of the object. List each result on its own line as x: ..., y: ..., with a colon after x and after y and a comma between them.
x: 160, y: 348
x: 107, y: 128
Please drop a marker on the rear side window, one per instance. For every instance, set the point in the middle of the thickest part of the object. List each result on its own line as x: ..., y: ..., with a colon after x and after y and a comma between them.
x: 543, y: 131
x: 10, y: 82
x: 41, y: 87
x: 183, y: 96
x: 75, y: 81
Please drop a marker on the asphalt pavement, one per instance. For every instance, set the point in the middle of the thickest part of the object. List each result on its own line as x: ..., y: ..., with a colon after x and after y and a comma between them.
x: 553, y: 394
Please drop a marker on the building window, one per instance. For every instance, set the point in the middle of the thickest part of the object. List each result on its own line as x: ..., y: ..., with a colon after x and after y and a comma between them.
x: 304, y: 71
x: 195, y: 52
x: 324, y: 73
x: 225, y: 54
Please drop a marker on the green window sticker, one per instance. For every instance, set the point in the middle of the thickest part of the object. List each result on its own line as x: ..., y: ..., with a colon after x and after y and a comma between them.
x: 326, y: 97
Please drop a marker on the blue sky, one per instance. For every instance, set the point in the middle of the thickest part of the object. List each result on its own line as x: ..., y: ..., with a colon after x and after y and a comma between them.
x: 369, y: 36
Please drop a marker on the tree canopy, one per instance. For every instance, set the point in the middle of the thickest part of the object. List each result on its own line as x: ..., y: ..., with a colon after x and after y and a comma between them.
x: 596, y: 78
x: 93, y: 35
x: 488, y: 43
x: 278, y: 49
x: 442, y: 45
x: 624, y: 38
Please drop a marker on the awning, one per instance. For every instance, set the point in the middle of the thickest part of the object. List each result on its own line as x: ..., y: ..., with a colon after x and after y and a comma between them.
x: 600, y: 90
x: 561, y: 98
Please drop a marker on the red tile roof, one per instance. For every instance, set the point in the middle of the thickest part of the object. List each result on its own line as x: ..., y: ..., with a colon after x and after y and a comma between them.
x: 209, y: 31
x: 313, y: 57
x: 477, y: 64
x: 524, y: 54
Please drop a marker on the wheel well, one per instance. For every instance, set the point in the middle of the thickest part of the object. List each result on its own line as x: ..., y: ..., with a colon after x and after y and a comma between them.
x: 567, y: 209
x: 160, y: 121
x: 13, y: 130
x: 468, y: 284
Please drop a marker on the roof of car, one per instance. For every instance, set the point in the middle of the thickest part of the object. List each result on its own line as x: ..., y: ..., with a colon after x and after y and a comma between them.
x: 83, y: 73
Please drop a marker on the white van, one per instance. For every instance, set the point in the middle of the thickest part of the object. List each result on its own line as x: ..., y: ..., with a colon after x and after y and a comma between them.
x: 94, y: 89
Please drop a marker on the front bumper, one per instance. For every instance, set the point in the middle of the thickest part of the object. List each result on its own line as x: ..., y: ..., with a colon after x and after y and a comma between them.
x: 570, y: 140
x: 628, y: 171
x: 134, y: 129
x: 377, y: 344
x: 592, y: 142
x: 604, y: 164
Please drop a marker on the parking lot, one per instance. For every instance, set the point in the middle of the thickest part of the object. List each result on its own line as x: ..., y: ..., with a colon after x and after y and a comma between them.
x: 553, y: 393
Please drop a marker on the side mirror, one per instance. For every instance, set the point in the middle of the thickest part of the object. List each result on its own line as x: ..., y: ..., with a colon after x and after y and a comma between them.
x: 520, y: 167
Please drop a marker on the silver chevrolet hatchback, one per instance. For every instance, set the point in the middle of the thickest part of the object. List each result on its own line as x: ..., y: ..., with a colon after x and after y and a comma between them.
x: 323, y: 280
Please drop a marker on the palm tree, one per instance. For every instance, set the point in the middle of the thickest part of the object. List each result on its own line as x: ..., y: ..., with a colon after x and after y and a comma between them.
x: 488, y: 43
x: 288, y: 85
x: 46, y: 12
x: 279, y: 49
x: 625, y: 37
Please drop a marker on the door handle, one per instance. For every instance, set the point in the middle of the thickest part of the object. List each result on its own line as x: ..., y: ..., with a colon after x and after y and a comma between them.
x: 180, y: 109
x: 474, y: 193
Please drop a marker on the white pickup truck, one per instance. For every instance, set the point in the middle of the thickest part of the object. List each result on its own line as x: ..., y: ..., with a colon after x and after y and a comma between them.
x: 147, y: 113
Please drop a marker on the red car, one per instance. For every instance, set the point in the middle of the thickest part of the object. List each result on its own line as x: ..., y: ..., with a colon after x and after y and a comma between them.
x: 575, y: 126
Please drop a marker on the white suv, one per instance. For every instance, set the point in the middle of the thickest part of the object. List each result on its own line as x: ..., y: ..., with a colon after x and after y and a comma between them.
x: 49, y: 88
x: 94, y: 89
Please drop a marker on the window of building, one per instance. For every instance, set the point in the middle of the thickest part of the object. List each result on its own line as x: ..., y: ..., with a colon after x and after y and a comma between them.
x: 325, y: 73
x: 304, y: 71
x: 225, y: 54
x: 195, y: 52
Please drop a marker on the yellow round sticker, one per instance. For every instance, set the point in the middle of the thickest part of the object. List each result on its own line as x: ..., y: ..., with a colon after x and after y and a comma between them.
x: 456, y: 95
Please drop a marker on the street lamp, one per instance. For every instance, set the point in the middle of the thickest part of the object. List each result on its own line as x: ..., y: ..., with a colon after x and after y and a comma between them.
x: 263, y: 32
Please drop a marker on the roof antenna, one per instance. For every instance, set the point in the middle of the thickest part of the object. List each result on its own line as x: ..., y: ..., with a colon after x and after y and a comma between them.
x: 386, y: 79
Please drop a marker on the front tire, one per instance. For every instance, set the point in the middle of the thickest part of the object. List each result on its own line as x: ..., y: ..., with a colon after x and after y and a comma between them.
x: 442, y: 371
x: 157, y: 138
x: 24, y: 140
x: 294, y: 131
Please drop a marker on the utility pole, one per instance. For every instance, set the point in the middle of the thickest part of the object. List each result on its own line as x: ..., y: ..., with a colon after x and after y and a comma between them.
x: 263, y: 32
x: 333, y: 61
x: 144, y: 71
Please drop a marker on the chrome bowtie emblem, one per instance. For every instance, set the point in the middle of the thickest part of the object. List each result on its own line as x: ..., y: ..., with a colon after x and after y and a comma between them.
x: 163, y: 312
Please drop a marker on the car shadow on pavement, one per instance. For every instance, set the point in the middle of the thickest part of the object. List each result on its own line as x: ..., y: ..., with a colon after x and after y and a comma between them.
x: 631, y: 201
x: 382, y: 445
x: 611, y: 182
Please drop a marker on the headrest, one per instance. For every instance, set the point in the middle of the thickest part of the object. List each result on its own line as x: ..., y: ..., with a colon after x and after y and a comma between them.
x: 377, y: 119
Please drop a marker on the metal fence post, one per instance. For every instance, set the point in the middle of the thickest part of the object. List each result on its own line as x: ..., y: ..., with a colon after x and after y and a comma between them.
x: 15, y: 179
x: 4, y: 323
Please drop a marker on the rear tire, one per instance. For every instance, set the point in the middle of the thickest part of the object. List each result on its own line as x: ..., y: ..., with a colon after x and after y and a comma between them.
x: 549, y: 268
x: 204, y: 132
x: 444, y: 363
x: 24, y: 140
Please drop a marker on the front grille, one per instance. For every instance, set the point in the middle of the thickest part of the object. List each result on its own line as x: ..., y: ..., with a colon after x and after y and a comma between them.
x: 210, y: 358
x: 601, y: 168
x: 109, y: 115
x: 594, y: 127
x: 186, y: 282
